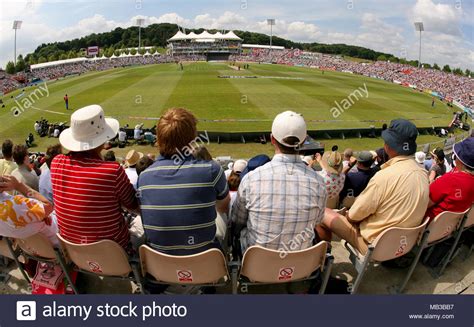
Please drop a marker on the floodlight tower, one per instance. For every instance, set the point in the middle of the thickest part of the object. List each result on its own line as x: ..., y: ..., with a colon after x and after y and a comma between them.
x: 16, y: 26
x: 419, y: 28
x: 140, y: 22
x: 271, y: 22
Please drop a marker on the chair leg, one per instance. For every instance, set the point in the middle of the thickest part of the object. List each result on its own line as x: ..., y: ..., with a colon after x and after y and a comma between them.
x: 137, y: 276
x: 18, y: 263
x: 450, y: 256
x: 64, y: 267
x: 327, y: 274
x: 420, y: 249
x: 362, y: 271
x: 235, y: 282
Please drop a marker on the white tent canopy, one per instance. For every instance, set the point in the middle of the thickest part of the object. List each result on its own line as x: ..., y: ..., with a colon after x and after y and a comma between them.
x: 205, y: 37
x: 58, y: 62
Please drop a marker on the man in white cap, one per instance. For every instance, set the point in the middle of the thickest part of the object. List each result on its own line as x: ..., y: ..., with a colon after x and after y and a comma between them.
x: 279, y: 204
x: 89, y: 192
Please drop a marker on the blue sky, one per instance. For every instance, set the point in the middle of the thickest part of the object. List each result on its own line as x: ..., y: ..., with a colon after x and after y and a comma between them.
x: 381, y: 25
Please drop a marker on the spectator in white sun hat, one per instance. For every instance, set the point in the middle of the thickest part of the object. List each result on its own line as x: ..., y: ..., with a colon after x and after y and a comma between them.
x: 95, y: 188
x: 271, y: 217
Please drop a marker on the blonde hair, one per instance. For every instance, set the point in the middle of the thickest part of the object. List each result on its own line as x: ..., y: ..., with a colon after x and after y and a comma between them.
x: 175, y: 130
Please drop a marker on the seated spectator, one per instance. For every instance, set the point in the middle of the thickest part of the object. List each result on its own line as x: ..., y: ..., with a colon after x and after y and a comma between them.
x: 454, y: 191
x: 110, y: 156
x: 348, y: 154
x: 282, y: 199
x: 254, y: 163
x: 382, y: 157
x: 131, y: 160
x: 397, y: 195
x: 45, y: 185
x: 180, y: 194
x: 357, y: 181
x: 25, y: 214
x: 438, y: 168
x: 234, y: 180
x: 88, y: 191
x: 331, y: 164
x: 7, y: 165
x: 24, y: 173
x: 143, y: 164
x: 420, y: 158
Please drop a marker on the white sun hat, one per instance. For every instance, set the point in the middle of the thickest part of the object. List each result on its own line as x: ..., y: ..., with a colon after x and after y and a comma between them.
x: 288, y: 124
x: 89, y: 129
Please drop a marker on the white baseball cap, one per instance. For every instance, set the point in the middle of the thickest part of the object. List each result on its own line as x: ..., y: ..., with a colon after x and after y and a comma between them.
x: 287, y: 124
x: 239, y: 166
x: 89, y: 129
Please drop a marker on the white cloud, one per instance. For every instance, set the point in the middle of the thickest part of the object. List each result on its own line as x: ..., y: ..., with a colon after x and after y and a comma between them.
x: 439, y: 18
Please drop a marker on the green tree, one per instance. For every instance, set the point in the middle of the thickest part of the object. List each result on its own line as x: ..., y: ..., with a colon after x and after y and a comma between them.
x: 133, y: 51
x: 435, y: 66
x: 447, y: 69
x: 10, y: 68
x: 381, y: 58
x: 20, y: 64
x: 42, y: 60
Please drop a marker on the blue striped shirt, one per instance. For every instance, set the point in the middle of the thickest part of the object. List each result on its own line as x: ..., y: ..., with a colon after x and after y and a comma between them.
x: 178, y: 204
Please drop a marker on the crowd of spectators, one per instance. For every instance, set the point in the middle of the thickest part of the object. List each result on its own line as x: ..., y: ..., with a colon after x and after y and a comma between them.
x: 186, y: 204
x: 447, y: 85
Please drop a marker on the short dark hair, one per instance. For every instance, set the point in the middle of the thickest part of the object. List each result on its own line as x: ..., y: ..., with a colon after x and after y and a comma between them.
x: 19, y: 153
x: 7, y: 148
x: 143, y: 164
x: 287, y: 149
x: 51, y: 152
x: 109, y: 156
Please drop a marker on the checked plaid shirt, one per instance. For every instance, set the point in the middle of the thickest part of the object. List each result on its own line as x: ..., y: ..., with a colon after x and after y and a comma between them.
x: 279, y: 204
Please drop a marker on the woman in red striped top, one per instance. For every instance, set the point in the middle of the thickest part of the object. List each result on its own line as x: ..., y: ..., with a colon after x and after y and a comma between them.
x: 89, y: 192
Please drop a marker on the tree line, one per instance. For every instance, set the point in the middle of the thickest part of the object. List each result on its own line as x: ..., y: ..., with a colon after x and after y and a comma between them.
x: 156, y: 35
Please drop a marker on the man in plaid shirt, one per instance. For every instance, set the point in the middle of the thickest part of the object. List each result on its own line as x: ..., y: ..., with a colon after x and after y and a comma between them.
x: 279, y: 204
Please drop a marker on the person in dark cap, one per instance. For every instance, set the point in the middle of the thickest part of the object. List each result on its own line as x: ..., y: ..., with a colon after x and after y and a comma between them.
x: 254, y: 163
x: 454, y: 191
x: 356, y: 181
x: 396, y: 196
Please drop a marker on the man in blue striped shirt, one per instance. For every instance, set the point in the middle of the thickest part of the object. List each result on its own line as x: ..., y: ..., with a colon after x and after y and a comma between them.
x: 279, y: 204
x: 180, y: 196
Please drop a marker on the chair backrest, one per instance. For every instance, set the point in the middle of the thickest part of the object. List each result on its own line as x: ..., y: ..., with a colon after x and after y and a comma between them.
x: 4, y: 250
x: 37, y: 245
x: 207, y: 267
x: 470, y: 218
x: 444, y: 225
x: 396, y: 241
x: 270, y: 266
x: 104, y: 258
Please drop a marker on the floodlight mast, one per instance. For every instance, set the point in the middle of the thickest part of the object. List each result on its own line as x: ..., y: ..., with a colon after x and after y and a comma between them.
x: 271, y: 22
x: 16, y: 26
x: 140, y: 22
x: 419, y: 28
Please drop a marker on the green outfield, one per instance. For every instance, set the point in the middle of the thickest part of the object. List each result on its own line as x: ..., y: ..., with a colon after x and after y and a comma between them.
x: 141, y: 94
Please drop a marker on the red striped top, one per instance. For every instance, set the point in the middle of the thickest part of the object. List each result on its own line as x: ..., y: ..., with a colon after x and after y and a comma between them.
x: 88, y: 194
